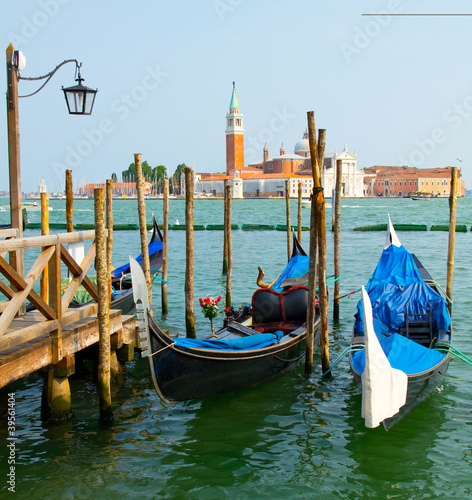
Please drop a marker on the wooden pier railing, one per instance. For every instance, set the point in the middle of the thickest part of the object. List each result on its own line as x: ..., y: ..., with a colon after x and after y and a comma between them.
x: 55, y: 308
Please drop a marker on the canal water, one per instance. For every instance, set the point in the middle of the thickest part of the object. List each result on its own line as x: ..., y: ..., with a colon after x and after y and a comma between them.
x: 294, y: 437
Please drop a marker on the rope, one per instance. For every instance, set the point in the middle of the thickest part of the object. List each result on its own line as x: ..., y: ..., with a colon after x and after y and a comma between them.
x: 452, y: 350
x: 160, y: 350
x: 347, y: 350
x: 348, y: 295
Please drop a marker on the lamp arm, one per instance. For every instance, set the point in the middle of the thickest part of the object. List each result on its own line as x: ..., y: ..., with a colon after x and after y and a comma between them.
x: 48, y: 76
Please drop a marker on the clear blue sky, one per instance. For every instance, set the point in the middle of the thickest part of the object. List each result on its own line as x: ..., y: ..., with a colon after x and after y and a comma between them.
x: 397, y: 89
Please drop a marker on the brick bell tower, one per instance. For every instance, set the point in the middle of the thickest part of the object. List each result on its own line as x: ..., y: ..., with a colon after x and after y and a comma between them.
x: 234, y: 136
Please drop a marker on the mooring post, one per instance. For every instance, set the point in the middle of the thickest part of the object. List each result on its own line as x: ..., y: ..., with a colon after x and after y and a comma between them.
x: 165, y: 247
x: 318, y: 204
x: 299, y: 218
x: 44, y: 284
x: 142, y: 223
x: 189, y: 267
x: 337, y: 237
x: 452, y: 234
x: 69, y: 202
x: 104, y: 391
x: 288, y: 219
x: 229, y: 273
x: 116, y: 369
x: 322, y: 259
x: 225, y: 228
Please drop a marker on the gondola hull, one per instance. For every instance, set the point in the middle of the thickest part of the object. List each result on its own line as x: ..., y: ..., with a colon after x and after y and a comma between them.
x: 420, y: 387
x: 400, y: 367
x: 181, y: 373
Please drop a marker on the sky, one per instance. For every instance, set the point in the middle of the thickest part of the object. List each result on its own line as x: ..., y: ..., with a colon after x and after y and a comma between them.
x: 395, y: 88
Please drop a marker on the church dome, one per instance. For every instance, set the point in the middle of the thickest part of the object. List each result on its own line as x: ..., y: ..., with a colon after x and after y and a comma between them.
x: 302, y: 147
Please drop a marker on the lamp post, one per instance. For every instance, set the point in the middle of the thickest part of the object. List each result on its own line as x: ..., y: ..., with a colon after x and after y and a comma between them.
x: 79, y: 100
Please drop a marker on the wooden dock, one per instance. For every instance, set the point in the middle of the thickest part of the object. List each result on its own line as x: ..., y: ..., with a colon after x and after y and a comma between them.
x: 49, y: 337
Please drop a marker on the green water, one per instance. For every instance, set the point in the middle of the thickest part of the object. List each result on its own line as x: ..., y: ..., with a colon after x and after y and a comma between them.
x: 294, y: 437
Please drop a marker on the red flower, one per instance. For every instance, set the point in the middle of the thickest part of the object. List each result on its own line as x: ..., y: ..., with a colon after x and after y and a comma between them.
x: 219, y: 298
x: 227, y: 309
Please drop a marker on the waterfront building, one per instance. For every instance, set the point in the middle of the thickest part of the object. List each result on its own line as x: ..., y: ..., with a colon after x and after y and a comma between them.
x: 401, y: 181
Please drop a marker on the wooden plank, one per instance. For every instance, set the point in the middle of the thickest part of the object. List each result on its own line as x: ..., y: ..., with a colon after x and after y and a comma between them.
x: 45, y: 241
x: 31, y: 356
x: 29, y: 331
x: 11, y: 232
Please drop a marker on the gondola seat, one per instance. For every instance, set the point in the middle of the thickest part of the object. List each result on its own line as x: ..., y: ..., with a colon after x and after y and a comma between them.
x: 273, y: 310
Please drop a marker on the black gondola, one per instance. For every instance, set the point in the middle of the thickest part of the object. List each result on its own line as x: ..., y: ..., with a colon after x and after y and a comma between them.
x: 264, y: 343
x: 401, y: 319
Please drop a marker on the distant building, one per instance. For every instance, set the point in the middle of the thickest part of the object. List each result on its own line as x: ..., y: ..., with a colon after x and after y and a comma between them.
x: 267, y: 176
x: 118, y: 188
x: 401, y: 181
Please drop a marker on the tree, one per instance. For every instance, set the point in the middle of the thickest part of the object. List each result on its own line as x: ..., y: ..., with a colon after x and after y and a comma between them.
x: 130, y: 174
x: 159, y: 173
x: 114, y: 178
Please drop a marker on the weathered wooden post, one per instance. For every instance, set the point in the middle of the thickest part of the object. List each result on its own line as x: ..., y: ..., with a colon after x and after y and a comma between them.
x: 69, y: 202
x: 189, y: 267
x: 165, y: 247
x: 225, y: 228
x: 452, y: 234
x: 322, y: 259
x: 288, y: 219
x: 104, y: 391
x: 318, y: 206
x: 142, y: 223
x: 101, y: 268
x: 44, y: 284
x: 16, y: 257
x: 229, y: 272
x: 299, y: 218
x: 337, y: 237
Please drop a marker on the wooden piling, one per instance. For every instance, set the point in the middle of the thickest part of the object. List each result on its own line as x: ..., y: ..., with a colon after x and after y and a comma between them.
x: 225, y: 229
x: 189, y: 267
x: 322, y: 260
x: 69, y: 202
x: 104, y: 390
x: 337, y: 237
x: 142, y: 223
x: 288, y: 219
x: 299, y: 218
x: 44, y: 284
x: 318, y: 205
x: 165, y: 247
x: 452, y: 234
x: 229, y: 272
x: 109, y: 211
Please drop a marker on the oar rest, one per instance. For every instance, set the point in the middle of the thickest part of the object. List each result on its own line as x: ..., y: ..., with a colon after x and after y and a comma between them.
x: 419, y: 327
x: 269, y: 306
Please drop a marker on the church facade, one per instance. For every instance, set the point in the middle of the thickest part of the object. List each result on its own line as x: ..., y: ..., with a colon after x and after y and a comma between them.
x: 267, y: 177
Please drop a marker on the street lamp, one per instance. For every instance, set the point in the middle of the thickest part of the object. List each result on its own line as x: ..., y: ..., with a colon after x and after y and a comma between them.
x: 79, y: 100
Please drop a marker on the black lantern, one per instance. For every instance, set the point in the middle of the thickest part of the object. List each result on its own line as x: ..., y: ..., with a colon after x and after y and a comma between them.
x: 79, y: 98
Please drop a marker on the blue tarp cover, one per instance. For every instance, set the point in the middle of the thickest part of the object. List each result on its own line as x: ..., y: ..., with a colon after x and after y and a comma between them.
x: 403, y: 354
x: 153, y: 247
x: 251, y: 342
x: 396, y: 282
x: 296, y: 268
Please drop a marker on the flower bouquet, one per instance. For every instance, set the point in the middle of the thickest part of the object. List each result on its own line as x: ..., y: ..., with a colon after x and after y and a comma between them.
x: 210, y: 310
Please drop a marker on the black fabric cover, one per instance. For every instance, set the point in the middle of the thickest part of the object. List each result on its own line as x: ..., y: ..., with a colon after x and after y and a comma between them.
x: 269, y: 306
